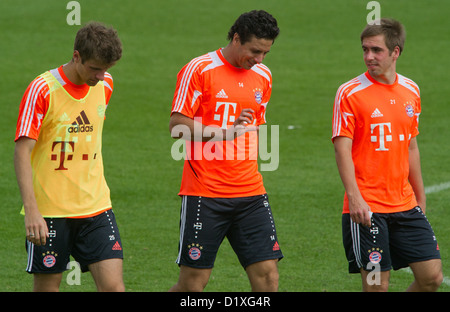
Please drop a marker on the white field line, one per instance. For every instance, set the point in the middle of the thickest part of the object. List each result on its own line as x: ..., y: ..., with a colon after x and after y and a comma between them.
x: 437, y: 187
x: 429, y: 190
x: 445, y: 281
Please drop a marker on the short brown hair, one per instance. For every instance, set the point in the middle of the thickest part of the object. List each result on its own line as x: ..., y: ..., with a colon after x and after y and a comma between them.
x: 393, y: 31
x: 96, y: 41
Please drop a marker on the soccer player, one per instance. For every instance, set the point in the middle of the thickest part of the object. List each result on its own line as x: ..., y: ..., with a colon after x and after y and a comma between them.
x: 219, y: 102
x: 59, y: 166
x: 375, y: 124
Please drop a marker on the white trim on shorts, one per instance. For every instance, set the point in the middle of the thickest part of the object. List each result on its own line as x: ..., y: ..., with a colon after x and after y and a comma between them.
x: 356, y: 242
x: 30, y: 252
x: 182, y: 226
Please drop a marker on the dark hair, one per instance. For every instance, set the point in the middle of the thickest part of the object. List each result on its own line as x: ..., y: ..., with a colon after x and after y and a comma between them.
x: 393, y: 31
x: 260, y: 24
x: 96, y: 41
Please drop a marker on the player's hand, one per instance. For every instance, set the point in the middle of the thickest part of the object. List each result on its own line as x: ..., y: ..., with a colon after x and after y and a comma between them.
x: 360, y: 212
x: 243, y: 123
x: 36, y: 228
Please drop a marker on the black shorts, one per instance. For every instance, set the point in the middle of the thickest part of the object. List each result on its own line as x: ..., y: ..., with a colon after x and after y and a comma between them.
x: 247, y: 223
x: 393, y: 241
x: 88, y: 240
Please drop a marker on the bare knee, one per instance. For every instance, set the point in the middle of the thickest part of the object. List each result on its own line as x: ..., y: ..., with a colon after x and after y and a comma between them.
x: 263, y: 275
x: 116, y: 287
x: 191, y: 280
x: 375, y: 281
x: 107, y: 275
x: 430, y: 283
x: 428, y: 275
x: 381, y: 287
x: 46, y: 282
x: 436, y: 281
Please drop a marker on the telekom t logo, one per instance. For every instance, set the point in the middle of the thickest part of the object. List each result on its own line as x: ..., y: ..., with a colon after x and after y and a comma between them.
x: 382, y: 138
x: 226, y: 113
x: 64, y: 149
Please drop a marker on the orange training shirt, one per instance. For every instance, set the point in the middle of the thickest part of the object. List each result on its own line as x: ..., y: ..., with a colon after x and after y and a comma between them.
x: 212, y: 91
x: 381, y: 120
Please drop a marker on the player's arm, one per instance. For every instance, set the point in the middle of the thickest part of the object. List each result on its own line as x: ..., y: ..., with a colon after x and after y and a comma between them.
x: 415, y: 174
x: 359, y: 210
x: 34, y: 222
x: 184, y: 127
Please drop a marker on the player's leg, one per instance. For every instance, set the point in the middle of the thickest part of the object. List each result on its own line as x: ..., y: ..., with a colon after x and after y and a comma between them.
x: 375, y: 281
x: 427, y: 275
x: 414, y: 244
x: 107, y: 275
x: 98, y: 248
x: 263, y: 276
x: 367, y: 250
x: 253, y: 238
x: 46, y: 282
x: 203, y: 224
x: 48, y: 262
x: 191, y: 279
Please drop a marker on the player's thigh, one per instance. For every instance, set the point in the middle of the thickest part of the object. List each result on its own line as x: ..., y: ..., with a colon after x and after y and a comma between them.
x: 53, y: 257
x: 192, y: 279
x: 412, y: 239
x: 367, y: 248
x: 46, y: 282
x: 375, y: 281
x: 428, y: 272
x: 263, y: 275
x: 96, y: 239
x: 203, y: 224
x: 107, y: 274
x: 253, y: 235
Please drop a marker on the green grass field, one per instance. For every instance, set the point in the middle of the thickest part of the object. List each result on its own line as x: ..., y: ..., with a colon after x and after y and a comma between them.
x: 318, y: 49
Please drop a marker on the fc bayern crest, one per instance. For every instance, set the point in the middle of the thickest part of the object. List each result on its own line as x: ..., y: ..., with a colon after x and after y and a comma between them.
x: 258, y: 95
x: 195, y: 253
x: 49, y: 261
x: 409, y: 110
x: 49, y: 258
x: 375, y: 257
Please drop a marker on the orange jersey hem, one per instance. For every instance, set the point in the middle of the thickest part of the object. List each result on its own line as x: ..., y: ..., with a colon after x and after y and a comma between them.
x: 383, y: 209
x: 89, y: 215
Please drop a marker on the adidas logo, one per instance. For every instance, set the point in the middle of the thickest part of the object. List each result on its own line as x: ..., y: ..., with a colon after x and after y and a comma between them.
x: 376, y: 113
x: 276, y: 247
x: 81, y: 124
x: 222, y: 95
x: 116, y: 246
